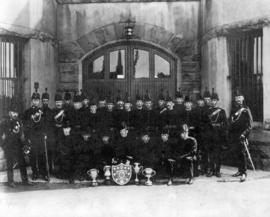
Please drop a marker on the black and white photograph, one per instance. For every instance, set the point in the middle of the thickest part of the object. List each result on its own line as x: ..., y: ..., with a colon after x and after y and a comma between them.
x: 134, y: 108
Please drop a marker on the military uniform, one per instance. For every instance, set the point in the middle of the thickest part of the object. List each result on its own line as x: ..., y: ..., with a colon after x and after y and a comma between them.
x: 12, y: 136
x: 160, y: 112
x: 119, y: 113
x: 171, y: 118
x: 218, y: 138
x: 58, y: 116
x: 67, y: 152
x: 49, y: 130
x: 123, y: 147
x: 202, y: 126
x: 179, y: 105
x: 128, y: 119
x: 84, y: 155
x: 145, y: 152
x: 164, y: 152
x: 138, y: 115
x: 240, y: 126
x: 185, y: 152
x: 34, y: 130
x: 189, y: 117
x: 107, y: 152
x: 149, y: 115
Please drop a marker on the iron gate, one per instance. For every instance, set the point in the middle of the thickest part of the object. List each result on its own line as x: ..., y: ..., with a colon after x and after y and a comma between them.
x: 246, y: 68
x: 10, y: 72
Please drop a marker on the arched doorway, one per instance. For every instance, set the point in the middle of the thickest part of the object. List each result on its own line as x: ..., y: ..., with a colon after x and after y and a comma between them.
x: 131, y: 67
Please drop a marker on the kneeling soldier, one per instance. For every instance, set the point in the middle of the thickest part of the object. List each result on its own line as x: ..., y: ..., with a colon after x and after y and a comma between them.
x: 12, y: 136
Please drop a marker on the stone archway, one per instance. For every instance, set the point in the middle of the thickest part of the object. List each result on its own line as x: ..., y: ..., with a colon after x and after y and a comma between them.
x: 71, y: 53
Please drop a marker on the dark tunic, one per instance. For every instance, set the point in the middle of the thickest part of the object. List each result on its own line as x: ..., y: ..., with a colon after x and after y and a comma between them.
x: 13, y: 147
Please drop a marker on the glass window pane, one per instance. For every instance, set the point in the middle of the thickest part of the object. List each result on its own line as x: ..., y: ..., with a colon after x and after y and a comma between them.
x: 96, y: 68
x: 117, y: 64
x: 162, y: 68
x: 141, y: 64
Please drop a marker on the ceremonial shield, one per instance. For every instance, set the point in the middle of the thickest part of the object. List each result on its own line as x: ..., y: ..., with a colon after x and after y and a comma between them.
x: 121, y: 173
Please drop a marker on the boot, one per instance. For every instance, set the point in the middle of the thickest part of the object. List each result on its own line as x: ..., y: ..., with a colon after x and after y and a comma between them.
x: 243, y: 177
x: 11, y: 184
x: 237, y: 174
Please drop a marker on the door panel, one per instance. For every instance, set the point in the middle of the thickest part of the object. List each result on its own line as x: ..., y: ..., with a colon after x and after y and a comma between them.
x: 130, y: 68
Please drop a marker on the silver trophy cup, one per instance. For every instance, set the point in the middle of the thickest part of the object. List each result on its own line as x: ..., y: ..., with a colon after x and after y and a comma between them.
x: 93, y: 173
x: 149, y: 173
x: 107, y: 174
x: 137, y: 168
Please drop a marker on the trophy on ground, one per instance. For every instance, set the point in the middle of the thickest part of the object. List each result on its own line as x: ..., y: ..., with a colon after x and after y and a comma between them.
x: 171, y: 164
x: 148, y: 173
x: 107, y: 174
x: 93, y: 173
x: 137, y: 170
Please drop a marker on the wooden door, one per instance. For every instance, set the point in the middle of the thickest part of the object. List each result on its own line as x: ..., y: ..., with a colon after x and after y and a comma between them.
x: 129, y: 68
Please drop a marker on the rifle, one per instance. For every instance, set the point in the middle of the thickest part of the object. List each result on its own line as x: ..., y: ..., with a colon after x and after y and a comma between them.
x: 46, y: 157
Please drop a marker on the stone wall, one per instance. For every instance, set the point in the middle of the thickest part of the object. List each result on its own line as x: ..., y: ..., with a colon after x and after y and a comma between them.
x: 35, y: 21
x: 218, y: 19
x: 83, y: 28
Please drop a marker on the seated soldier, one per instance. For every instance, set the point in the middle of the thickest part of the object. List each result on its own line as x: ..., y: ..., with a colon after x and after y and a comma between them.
x: 67, y: 153
x: 145, y: 151
x: 164, y: 149
x: 123, y: 146
x: 185, y: 153
x: 85, y: 156
x: 107, y: 152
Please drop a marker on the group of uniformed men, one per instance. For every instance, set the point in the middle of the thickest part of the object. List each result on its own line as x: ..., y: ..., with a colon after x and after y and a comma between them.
x: 84, y: 133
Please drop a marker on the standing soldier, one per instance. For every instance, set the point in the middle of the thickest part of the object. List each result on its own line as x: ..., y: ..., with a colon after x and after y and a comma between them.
x: 207, y: 98
x: 92, y: 119
x: 118, y: 113
x: 160, y: 112
x: 85, y: 101
x: 49, y: 129
x: 240, y: 126
x: 148, y: 114
x: 108, y: 115
x: 189, y: 116
x: 13, y: 137
x: 179, y: 104
x: 138, y: 119
x: 67, y: 101
x: 218, y: 138
x: 170, y: 117
x: 34, y: 129
x: 101, y: 110
x: 58, y: 117
x: 127, y: 111
x: 202, y: 125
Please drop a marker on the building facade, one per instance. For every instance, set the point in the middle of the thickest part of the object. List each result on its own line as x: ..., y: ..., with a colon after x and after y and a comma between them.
x: 138, y: 46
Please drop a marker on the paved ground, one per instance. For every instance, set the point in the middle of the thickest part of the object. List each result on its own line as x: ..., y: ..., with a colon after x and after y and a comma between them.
x: 206, y: 197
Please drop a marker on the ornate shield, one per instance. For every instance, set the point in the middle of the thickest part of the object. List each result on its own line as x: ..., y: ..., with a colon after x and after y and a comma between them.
x: 121, y: 173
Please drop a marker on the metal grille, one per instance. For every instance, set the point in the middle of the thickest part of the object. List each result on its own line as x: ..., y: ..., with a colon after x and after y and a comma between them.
x: 10, y: 72
x: 246, y: 69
